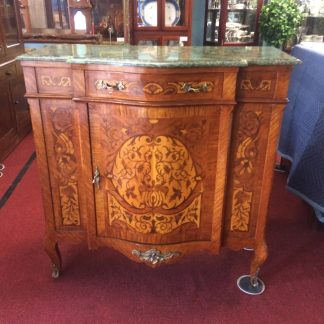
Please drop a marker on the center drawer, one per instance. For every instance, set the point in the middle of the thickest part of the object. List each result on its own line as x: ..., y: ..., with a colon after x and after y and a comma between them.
x: 156, y: 86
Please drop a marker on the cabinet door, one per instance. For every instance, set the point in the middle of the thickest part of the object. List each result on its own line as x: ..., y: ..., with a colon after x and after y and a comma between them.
x: 8, y: 130
x: 160, y: 172
x: 175, y: 14
x: 9, y: 23
x: 147, y: 14
x: 21, y: 107
x: 9, y: 27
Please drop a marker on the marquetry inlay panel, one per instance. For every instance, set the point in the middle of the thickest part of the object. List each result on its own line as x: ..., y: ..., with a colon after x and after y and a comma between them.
x: 52, y: 81
x: 151, y: 222
x: 66, y: 164
x: 244, y: 170
x: 154, y: 171
x: 56, y: 81
x: 249, y: 85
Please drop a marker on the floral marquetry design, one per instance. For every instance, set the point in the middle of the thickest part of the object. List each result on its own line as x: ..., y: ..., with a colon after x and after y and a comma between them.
x: 244, y: 168
x: 66, y: 165
x: 152, y: 88
x: 241, y: 208
x: 263, y: 85
x: 154, y: 171
x: 154, y: 222
x: 70, y: 204
x: 51, y: 81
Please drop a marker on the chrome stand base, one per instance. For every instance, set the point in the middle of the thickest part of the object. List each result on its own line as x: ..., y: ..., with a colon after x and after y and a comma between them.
x: 251, y: 286
x: 56, y: 272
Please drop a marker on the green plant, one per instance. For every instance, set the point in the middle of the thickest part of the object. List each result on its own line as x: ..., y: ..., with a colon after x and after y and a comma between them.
x: 279, y: 21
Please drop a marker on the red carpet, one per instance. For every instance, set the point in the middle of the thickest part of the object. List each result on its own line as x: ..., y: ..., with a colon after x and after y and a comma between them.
x: 104, y: 287
x: 14, y: 162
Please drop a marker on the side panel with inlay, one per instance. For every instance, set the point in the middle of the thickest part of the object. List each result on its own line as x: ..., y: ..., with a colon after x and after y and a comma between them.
x: 62, y: 139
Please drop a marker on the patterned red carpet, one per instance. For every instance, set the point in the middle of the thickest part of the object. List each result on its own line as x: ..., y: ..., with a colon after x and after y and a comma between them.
x: 104, y: 287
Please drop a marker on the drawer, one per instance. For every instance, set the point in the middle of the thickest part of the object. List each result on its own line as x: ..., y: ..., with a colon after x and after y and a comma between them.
x: 8, y: 72
x: 54, y: 80
x: 156, y: 87
x: 259, y: 84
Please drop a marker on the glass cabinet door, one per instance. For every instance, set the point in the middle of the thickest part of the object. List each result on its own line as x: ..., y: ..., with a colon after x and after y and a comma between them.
x: 165, y: 22
x: 213, y: 18
x: 175, y: 13
x: 147, y: 13
x: 9, y: 23
x: 241, y: 21
x: 161, y: 13
x: 232, y: 22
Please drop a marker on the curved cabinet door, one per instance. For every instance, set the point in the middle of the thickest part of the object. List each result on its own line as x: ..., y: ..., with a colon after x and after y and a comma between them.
x: 159, y: 172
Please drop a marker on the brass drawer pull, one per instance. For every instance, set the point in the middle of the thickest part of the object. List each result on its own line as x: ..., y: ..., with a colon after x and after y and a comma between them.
x: 187, y: 87
x: 110, y: 86
x: 155, y: 256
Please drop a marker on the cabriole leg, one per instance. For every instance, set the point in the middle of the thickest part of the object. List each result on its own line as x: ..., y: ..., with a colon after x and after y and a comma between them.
x: 52, y: 250
x: 251, y: 284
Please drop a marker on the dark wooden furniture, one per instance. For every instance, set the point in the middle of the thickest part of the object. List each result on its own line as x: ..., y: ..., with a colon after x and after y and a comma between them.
x: 160, y: 22
x: 14, y: 114
x: 232, y: 22
x: 157, y: 168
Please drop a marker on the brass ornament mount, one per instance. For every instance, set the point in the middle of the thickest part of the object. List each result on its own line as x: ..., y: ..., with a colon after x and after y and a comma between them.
x: 188, y: 87
x: 110, y: 85
x: 155, y: 256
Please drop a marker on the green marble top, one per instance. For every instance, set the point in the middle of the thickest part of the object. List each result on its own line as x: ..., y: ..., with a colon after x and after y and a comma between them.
x: 160, y: 56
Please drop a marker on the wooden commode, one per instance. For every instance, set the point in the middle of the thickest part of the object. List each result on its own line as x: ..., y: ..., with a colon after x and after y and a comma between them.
x: 157, y: 152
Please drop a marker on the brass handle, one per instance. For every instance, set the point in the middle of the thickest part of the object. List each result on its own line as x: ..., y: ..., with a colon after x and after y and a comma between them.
x: 187, y: 87
x: 110, y: 86
x: 96, y: 178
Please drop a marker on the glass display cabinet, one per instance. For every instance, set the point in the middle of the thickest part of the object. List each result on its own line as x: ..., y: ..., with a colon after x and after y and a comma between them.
x: 232, y: 22
x: 161, y: 22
